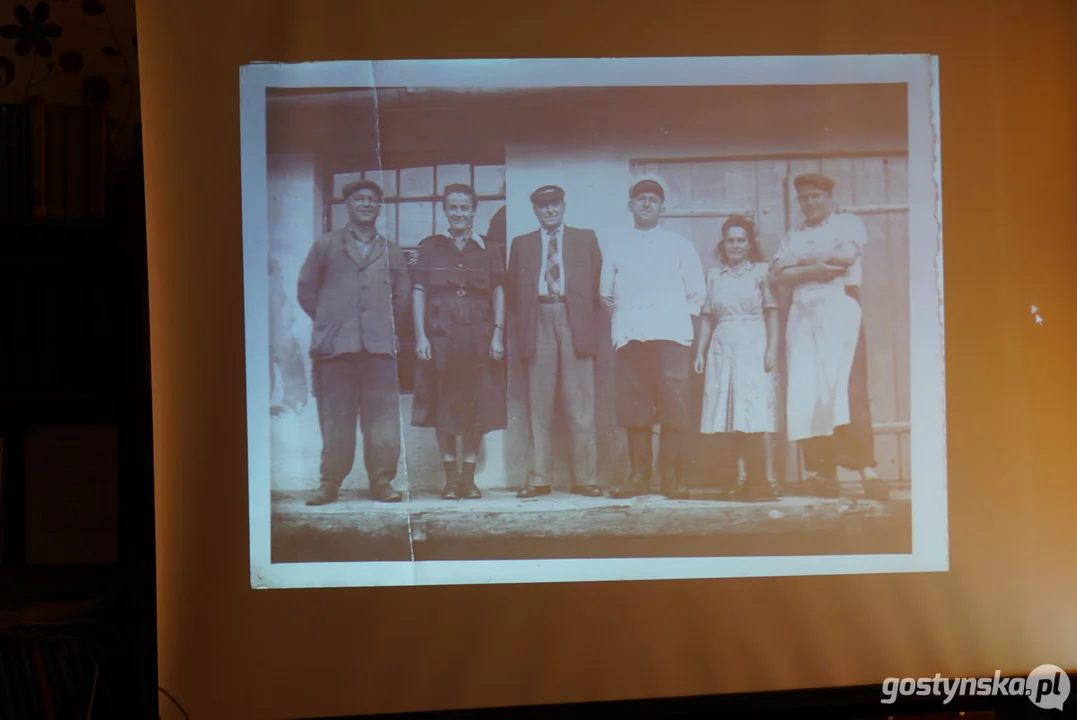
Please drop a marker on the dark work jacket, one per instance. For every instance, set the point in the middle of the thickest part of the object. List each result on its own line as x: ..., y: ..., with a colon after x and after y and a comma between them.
x: 582, y: 260
x: 354, y: 302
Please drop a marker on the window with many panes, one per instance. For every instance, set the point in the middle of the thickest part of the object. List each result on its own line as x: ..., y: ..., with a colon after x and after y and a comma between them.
x: 412, y: 207
x: 412, y: 211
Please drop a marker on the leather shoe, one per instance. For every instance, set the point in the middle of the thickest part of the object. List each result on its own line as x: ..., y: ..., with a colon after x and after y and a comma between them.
x: 384, y: 492
x: 756, y: 493
x: 629, y: 490
x: 876, y: 490
x: 531, y: 491
x: 677, y: 492
x: 589, y: 490
x: 470, y: 492
x: 821, y: 487
x: 324, y: 495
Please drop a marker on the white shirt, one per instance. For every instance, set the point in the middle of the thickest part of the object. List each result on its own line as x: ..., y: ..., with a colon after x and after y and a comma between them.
x: 824, y: 237
x: 560, y: 255
x: 656, y: 281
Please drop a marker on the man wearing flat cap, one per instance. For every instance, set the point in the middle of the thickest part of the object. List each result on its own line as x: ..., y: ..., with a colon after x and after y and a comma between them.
x: 552, y: 293
x: 355, y: 287
x: 653, y: 283
x: 827, y: 407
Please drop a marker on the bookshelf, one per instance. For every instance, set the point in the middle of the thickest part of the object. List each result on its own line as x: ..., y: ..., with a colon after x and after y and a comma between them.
x: 74, y: 354
x: 54, y: 159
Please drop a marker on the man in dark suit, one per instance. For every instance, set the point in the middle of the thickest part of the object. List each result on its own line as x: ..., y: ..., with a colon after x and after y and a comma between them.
x: 355, y: 287
x: 553, y: 280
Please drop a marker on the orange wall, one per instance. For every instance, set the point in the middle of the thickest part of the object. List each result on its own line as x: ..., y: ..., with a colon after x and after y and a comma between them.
x: 1009, y: 85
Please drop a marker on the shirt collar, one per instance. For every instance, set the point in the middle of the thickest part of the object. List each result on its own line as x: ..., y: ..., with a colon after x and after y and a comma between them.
x: 354, y: 236
x: 804, y: 224
x: 350, y: 232
x: 471, y: 236
x: 728, y: 270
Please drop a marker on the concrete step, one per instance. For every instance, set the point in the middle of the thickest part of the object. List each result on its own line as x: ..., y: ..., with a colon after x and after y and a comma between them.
x: 501, y: 513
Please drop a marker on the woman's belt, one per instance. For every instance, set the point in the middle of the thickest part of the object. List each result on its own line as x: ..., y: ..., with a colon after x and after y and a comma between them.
x: 463, y: 292
x: 740, y: 317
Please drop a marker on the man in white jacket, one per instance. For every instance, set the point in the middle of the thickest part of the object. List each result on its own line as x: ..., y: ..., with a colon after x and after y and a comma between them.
x: 827, y: 407
x: 652, y: 282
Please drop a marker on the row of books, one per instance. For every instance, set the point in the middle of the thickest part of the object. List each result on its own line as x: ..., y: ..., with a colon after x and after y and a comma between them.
x: 53, y: 160
x: 50, y: 679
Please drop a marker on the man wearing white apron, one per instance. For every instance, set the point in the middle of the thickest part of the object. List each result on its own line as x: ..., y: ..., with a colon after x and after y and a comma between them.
x: 818, y: 261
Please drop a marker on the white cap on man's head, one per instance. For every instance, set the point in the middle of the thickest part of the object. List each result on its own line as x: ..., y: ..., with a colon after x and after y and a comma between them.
x: 648, y: 182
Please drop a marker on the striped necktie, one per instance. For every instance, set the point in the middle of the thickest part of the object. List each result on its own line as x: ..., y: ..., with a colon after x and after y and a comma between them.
x: 553, y: 270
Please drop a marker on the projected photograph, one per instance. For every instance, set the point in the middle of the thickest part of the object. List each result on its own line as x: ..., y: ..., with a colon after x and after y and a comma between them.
x: 593, y: 320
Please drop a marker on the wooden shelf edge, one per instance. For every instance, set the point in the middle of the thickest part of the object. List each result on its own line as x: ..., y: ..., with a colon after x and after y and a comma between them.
x: 57, y: 222
x: 55, y: 396
x: 13, y: 571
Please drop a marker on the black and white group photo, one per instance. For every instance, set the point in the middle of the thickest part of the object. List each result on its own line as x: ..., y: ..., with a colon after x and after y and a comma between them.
x: 681, y: 318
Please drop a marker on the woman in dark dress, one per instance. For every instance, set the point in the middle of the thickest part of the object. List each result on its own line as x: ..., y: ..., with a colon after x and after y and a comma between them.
x: 459, y: 308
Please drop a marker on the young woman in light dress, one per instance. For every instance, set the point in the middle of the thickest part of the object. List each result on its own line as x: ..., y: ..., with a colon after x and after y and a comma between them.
x: 740, y: 397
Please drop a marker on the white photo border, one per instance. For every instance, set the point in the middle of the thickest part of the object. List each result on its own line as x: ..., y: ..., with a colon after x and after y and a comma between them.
x: 929, y: 506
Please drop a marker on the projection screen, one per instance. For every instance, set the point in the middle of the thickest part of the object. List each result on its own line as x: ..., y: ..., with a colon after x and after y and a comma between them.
x: 521, y: 321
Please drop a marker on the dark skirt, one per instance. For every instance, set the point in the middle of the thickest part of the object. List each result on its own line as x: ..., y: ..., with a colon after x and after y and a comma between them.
x: 461, y: 390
